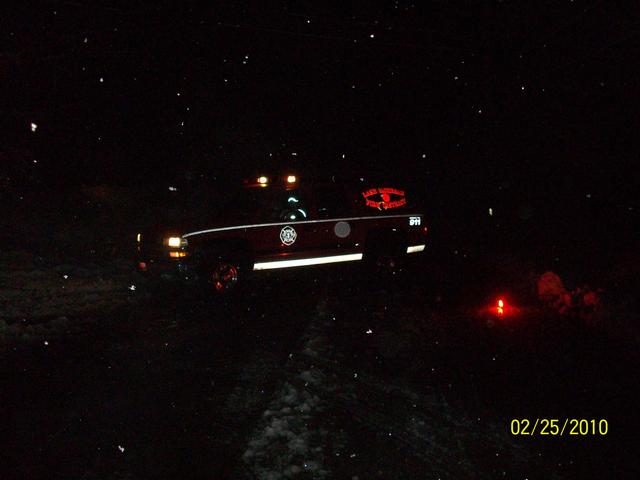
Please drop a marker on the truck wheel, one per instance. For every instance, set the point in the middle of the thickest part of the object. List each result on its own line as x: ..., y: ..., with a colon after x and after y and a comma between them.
x: 387, y: 264
x: 384, y: 252
x: 223, y: 276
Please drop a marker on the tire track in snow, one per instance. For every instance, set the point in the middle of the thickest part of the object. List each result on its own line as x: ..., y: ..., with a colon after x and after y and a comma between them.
x: 289, y: 442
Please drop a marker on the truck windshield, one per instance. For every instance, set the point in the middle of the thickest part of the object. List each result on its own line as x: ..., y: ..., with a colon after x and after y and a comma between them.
x: 272, y: 205
x: 246, y: 205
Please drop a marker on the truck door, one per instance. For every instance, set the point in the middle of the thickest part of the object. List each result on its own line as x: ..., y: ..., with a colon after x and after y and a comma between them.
x: 336, y: 228
x: 285, y: 228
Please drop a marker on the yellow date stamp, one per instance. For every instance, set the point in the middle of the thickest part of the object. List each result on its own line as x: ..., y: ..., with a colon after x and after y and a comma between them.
x: 559, y: 427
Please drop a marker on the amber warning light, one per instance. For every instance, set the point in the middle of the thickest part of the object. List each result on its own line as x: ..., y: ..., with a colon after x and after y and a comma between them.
x: 500, y: 307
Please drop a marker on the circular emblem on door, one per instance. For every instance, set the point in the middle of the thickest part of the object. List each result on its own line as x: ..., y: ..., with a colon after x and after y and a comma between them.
x: 288, y: 235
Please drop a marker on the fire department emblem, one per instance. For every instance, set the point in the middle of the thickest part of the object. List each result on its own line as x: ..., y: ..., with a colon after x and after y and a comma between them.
x: 288, y: 235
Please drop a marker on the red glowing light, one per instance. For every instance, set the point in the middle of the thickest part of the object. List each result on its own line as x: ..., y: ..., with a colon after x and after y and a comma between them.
x: 500, y: 307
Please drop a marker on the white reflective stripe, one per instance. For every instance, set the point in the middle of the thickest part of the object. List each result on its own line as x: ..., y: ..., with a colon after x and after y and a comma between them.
x: 306, y: 261
x: 255, y: 225
x: 415, y: 248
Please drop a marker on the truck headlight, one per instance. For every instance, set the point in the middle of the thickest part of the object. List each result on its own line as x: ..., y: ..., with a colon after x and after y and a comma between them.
x: 175, y: 242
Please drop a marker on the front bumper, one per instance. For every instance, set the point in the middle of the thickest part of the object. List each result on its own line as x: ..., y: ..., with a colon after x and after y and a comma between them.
x: 166, y: 268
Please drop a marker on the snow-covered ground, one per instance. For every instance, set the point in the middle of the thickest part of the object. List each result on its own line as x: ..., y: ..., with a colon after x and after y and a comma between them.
x: 379, y: 385
x: 39, y: 297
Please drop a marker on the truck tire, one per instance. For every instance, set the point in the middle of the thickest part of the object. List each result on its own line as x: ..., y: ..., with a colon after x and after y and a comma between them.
x: 223, y: 276
x: 218, y: 271
x: 384, y: 252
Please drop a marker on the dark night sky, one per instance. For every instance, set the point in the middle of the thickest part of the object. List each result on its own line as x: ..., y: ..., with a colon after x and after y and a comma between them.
x: 531, y: 98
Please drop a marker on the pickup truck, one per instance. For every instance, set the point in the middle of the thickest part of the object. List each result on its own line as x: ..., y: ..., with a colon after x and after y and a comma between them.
x: 281, y: 222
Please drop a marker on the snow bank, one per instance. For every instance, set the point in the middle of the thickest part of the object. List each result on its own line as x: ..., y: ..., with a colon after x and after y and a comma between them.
x: 583, y: 302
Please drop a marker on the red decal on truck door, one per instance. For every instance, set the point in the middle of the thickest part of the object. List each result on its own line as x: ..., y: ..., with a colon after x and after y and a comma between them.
x: 384, y: 198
